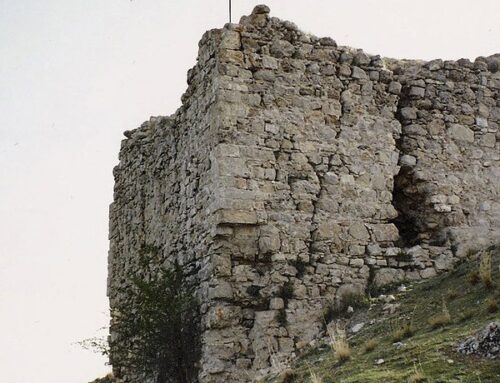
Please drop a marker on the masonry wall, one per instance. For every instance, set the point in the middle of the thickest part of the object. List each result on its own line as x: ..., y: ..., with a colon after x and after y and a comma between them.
x: 297, y: 172
x: 164, y: 183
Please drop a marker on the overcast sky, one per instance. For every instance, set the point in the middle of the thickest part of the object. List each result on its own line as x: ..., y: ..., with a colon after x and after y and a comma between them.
x: 74, y: 74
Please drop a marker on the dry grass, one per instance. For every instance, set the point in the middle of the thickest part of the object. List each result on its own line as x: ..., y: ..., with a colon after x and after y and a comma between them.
x: 485, y: 270
x: 339, y: 343
x: 402, y: 331
x: 278, y: 366
x: 370, y: 345
x: 492, y: 305
x: 315, y: 378
x: 442, y: 319
x: 418, y: 375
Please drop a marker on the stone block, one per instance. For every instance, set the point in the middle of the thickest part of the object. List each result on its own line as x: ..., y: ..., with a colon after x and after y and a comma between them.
x: 358, y: 73
x: 358, y: 231
x: 230, y: 40
x: 223, y: 290
x: 460, y: 133
x: 385, y: 232
x: 395, y: 87
x: 229, y: 216
x: 388, y: 276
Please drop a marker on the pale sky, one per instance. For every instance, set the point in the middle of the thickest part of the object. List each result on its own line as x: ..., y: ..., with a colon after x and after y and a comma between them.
x: 74, y: 74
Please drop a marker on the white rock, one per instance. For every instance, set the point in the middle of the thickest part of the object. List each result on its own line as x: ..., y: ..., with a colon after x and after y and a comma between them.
x: 357, y: 327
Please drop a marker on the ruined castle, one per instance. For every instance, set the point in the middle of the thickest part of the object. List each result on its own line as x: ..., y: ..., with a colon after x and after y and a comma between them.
x: 296, y: 162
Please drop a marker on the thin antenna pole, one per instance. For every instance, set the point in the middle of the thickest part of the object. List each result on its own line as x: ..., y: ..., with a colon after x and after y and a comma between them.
x: 230, y: 11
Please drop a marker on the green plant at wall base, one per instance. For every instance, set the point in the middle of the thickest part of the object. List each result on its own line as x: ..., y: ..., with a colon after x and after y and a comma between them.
x: 162, y: 325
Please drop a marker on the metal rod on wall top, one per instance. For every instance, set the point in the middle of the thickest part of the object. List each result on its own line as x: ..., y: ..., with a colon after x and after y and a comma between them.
x: 230, y: 11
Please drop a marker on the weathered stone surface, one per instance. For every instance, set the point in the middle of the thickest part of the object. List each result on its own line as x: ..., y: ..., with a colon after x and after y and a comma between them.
x: 388, y: 276
x: 295, y: 170
x: 461, y: 133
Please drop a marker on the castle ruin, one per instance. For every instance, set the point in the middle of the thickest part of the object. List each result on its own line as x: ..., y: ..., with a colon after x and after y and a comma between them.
x: 296, y: 163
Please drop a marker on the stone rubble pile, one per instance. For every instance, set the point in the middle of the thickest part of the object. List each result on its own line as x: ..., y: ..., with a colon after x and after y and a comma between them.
x: 486, y: 343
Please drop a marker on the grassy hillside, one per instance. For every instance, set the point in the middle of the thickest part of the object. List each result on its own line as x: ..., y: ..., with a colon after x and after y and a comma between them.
x: 432, y: 317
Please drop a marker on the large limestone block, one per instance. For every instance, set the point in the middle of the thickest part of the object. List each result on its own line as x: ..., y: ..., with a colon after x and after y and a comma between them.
x: 385, y: 232
x: 460, y: 133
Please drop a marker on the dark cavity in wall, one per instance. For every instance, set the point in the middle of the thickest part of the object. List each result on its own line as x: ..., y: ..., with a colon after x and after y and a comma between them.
x: 407, y: 196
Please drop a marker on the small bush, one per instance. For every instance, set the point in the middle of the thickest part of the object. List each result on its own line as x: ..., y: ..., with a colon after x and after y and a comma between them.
x: 370, y: 345
x: 492, y: 305
x: 485, y: 270
x: 403, y: 331
x: 159, y: 327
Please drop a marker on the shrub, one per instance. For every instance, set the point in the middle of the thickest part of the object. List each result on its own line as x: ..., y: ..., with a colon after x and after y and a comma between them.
x: 485, y: 270
x: 158, y: 331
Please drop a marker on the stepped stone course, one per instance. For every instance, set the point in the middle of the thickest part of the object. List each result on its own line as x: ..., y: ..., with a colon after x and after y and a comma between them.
x: 296, y: 172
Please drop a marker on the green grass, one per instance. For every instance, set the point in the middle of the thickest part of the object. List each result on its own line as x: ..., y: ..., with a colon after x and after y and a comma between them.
x: 430, y: 347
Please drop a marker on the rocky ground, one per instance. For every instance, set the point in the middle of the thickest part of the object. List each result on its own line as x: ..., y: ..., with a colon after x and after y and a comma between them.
x: 441, y: 330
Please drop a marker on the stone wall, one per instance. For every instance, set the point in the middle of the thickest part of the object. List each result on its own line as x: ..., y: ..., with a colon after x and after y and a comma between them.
x: 297, y: 172
x: 163, y: 187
